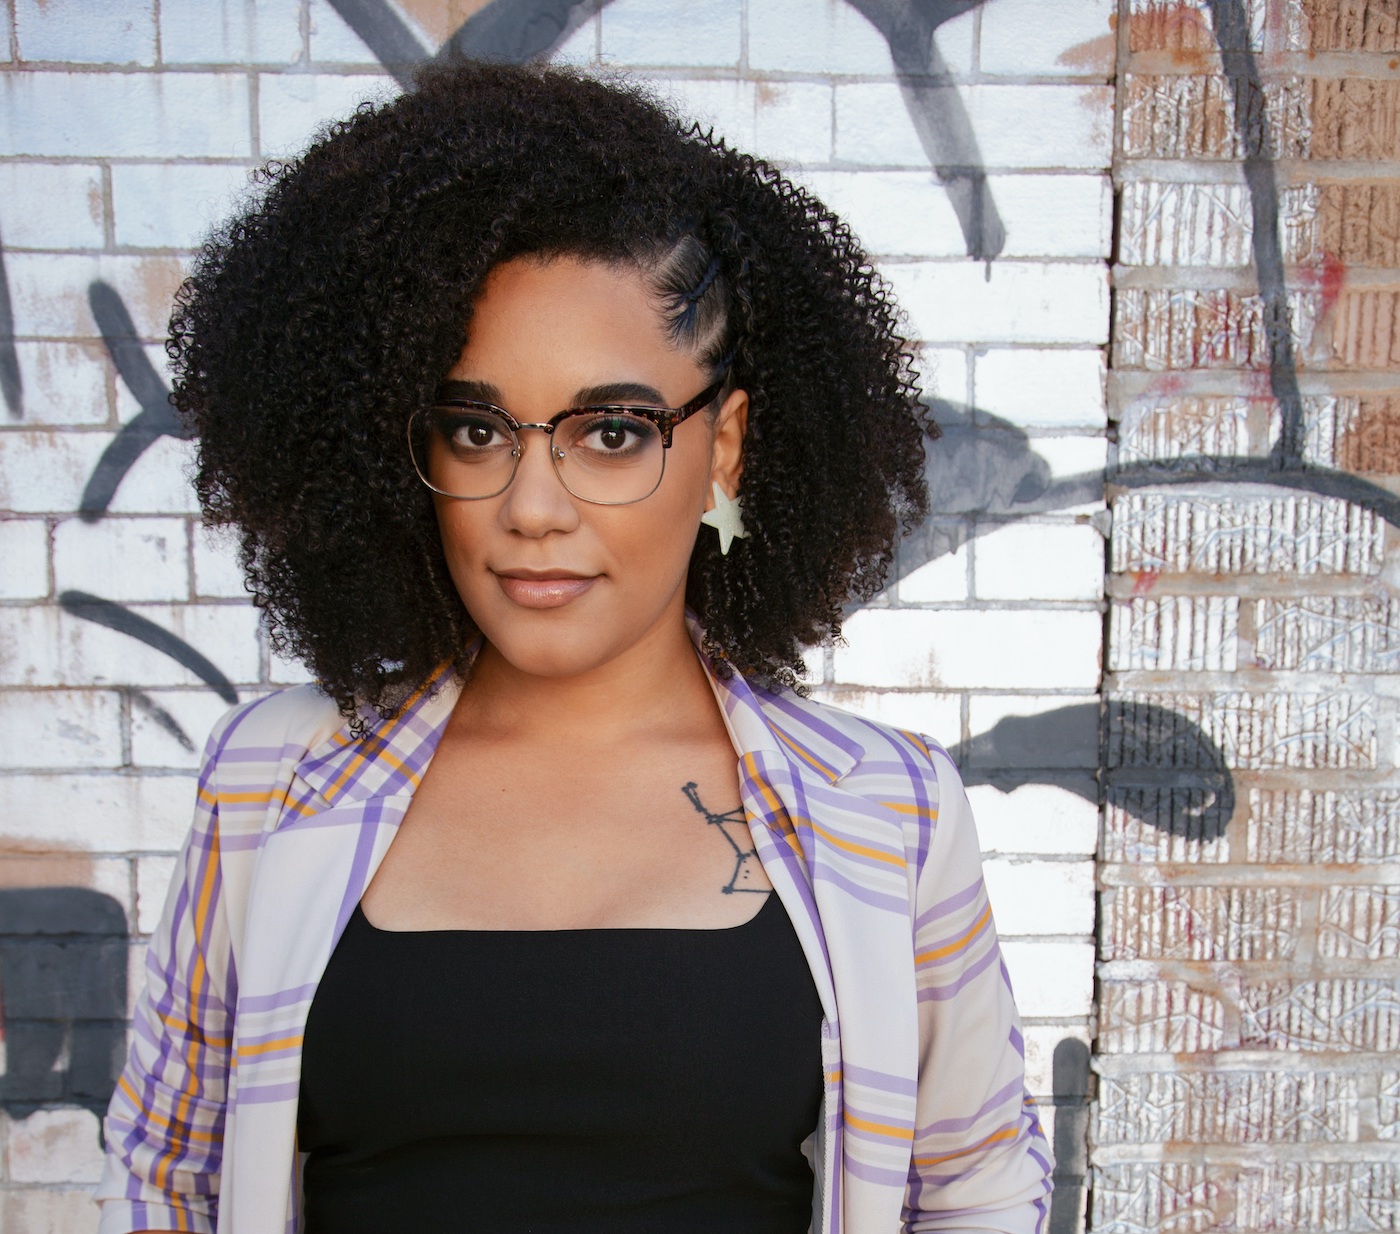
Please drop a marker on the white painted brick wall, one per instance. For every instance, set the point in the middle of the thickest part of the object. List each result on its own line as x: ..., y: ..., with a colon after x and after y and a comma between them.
x: 51, y: 205
x: 1040, y: 561
x: 54, y: 1146
x: 1040, y: 389
x: 125, y: 115
x: 230, y: 31
x: 172, y: 205
x: 689, y: 33
x: 42, y: 729
x: 1051, y: 126
x: 1035, y: 818
x: 908, y: 214
x: 123, y: 558
x: 1013, y: 302
x: 48, y: 647
x: 96, y: 812
x: 79, y: 32
x: 24, y: 548
x: 1033, y: 38
x: 292, y: 106
x: 1040, y: 897
x: 963, y: 649
x: 64, y: 382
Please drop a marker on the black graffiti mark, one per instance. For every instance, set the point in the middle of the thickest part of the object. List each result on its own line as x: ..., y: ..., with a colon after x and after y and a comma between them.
x: 113, y: 616
x: 156, y: 418
x: 511, y: 30
x: 939, y: 115
x: 1246, y: 471
x: 1070, y: 1083
x: 984, y: 465
x: 11, y: 382
x: 163, y: 718
x: 1155, y: 764
x: 519, y: 30
x: 386, y: 34
x: 63, y: 977
x: 1230, y: 22
x: 516, y: 32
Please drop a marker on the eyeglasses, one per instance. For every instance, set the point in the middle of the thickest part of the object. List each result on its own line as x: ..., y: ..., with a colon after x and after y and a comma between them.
x: 608, y: 455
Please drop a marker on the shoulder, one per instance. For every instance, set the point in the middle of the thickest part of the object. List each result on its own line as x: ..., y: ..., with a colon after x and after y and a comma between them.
x: 871, y: 746
x: 266, y: 729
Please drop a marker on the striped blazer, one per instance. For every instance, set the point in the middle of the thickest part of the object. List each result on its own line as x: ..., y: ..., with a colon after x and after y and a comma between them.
x: 864, y: 831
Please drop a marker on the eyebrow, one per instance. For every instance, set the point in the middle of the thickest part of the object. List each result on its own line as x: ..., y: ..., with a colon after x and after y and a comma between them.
x: 627, y: 392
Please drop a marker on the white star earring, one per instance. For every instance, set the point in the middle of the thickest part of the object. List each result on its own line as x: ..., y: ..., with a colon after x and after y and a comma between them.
x: 727, y: 518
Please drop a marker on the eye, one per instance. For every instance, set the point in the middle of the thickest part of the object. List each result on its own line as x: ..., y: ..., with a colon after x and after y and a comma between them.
x: 473, y: 432
x: 476, y: 433
x: 615, y: 434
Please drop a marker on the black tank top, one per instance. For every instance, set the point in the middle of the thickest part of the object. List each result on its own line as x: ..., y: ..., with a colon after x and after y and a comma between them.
x: 562, y: 1080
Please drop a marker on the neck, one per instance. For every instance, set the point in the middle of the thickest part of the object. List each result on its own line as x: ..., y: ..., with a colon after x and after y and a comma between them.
x: 658, y: 687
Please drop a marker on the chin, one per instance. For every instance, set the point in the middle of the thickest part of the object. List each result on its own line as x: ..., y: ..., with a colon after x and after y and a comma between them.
x: 554, y: 654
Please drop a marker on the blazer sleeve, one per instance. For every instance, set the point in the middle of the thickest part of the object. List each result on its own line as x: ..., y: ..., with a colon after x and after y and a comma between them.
x: 980, y: 1160
x: 165, y: 1124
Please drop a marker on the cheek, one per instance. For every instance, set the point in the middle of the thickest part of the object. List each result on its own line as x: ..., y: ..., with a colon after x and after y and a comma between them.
x: 460, y: 531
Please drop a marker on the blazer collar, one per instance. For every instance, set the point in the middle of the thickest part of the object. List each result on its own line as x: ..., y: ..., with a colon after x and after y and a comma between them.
x: 760, y: 720
x: 391, y: 758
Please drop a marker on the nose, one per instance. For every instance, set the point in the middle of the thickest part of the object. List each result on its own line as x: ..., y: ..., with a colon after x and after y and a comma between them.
x: 537, y: 503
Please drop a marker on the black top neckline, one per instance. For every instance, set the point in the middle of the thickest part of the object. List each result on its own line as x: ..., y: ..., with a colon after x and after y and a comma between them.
x: 573, y: 930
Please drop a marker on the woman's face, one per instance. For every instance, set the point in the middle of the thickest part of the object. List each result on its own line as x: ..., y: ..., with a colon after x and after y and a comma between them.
x: 557, y: 585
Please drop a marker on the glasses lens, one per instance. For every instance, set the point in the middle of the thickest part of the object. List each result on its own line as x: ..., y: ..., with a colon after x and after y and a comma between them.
x: 464, y: 451
x: 608, y: 456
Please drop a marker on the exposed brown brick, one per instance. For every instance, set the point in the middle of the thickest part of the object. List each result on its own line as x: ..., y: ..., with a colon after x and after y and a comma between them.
x: 1328, y: 634
x: 1158, y: 1016
x: 1310, y: 827
x: 1230, y: 1107
x: 1170, y: 25
x: 1371, y: 443
x: 1366, y: 329
x: 1200, y: 923
x: 1193, y: 117
x: 1352, y: 25
x: 1360, y: 921
x: 1250, y: 730
x: 1331, y: 1013
x: 1181, y: 1197
x: 1357, y: 433
x: 1162, y: 329
x: 1355, y: 118
x: 1181, y: 534
x: 1359, y: 224
x: 1319, y: 1197
x: 1204, y: 431
x: 1163, y: 824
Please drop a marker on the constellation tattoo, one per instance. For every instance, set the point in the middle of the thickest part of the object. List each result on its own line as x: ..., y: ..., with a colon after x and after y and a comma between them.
x: 743, y: 853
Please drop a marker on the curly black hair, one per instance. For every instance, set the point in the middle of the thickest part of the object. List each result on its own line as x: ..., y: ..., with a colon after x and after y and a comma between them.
x: 314, y: 324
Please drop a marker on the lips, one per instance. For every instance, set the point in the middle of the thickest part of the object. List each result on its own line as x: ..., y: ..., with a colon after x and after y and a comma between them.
x: 543, y: 588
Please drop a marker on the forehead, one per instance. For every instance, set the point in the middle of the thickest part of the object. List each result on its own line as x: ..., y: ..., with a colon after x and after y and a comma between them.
x: 541, y: 330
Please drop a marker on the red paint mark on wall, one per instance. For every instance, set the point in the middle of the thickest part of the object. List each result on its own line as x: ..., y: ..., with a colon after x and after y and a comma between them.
x: 1330, y: 275
x: 1144, y: 581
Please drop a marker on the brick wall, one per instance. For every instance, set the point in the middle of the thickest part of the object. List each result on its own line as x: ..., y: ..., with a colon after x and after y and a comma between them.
x: 1248, y: 1004
x: 1243, y: 848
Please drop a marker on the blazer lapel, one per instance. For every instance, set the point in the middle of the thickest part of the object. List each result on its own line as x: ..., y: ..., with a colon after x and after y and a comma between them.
x: 845, y: 882
x: 312, y: 871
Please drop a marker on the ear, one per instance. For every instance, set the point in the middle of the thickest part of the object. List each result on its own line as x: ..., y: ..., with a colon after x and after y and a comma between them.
x: 727, y: 444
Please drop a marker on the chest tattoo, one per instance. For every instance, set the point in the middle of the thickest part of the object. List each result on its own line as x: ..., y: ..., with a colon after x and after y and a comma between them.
x: 735, y: 830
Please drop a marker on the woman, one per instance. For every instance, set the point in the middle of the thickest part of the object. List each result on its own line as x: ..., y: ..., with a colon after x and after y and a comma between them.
x: 658, y: 944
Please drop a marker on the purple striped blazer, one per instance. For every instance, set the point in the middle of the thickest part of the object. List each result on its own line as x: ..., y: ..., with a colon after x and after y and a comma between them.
x: 864, y: 831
